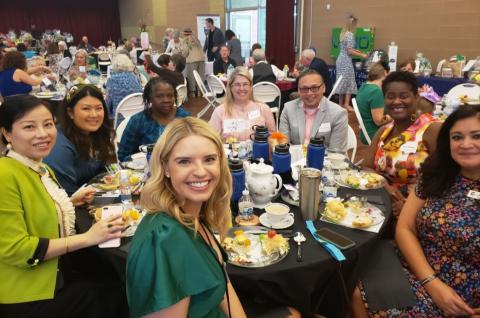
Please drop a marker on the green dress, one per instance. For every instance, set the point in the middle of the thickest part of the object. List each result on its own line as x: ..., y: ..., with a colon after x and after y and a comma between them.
x: 369, y: 97
x: 167, y: 263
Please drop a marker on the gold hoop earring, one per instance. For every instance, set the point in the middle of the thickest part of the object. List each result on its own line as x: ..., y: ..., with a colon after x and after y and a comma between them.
x: 413, y: 117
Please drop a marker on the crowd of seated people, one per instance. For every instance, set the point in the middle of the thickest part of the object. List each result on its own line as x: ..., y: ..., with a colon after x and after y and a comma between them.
x: 430, y: 169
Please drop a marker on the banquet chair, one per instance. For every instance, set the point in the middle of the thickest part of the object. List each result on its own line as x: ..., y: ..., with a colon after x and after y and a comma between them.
x: 216, y: 87
x: 351, y: 142
x: 208, y: 96
x: 103, y: 62
x: 335, y: 86
x: 128, y: 106
x: 73, y: 50
x: 120, y: 129
x: 360, y: 121
x: 267, y: 92
x: 182, y: 94
x: 471, y: 90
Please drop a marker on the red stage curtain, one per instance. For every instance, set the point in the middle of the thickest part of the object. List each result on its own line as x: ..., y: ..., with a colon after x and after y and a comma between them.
x: 98, y: 19
x: 279, y: 33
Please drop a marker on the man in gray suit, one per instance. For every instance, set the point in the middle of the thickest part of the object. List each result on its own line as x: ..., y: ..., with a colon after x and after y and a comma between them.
x: 313, y: 115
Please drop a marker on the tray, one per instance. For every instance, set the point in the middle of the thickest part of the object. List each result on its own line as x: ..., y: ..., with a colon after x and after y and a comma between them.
x: 253, y: 256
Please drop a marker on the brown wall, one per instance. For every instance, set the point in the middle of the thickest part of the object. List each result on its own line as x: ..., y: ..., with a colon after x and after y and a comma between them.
x: 160, y: 14
x: 437, y: 28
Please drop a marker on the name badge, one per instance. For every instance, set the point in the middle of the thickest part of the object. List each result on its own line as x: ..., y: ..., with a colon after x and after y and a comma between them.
x: 324, y: 128
x: 253, y: 114
x: 234, y: 125
x: 409, y: 147
x: 46, y: 81
x: 82, y: 69
x: 474, y: 195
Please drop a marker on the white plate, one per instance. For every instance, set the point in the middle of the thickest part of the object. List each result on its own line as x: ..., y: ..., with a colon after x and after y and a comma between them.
x: 285, y: 223
x: 46, y: 95
x: 374, y: 212
x: 288, y: 199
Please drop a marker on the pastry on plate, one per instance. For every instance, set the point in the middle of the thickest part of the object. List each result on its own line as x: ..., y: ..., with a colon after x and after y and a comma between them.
x: 363, y: 220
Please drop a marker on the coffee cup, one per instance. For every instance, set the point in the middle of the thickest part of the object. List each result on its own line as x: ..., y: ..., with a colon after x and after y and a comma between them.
x: 336, y: 159
x: 277, y: 212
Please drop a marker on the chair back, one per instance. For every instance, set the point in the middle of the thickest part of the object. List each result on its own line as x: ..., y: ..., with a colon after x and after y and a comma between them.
x: 360, y: 121
x: 128, y: 106
x: 182, y: 94
x: 352, y: 142
x: 200, y: 83
x: 216, y: 85
x: 120, y: 129
x: 266, y: 92
x: 471, y: 90
x: 335, y: 86
x: 72, y: 49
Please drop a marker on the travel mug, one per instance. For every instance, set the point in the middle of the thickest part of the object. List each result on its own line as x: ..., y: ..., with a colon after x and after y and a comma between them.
x: 310, y: 195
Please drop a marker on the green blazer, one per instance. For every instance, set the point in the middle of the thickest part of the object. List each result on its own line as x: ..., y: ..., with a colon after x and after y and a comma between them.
x: 27, y: 213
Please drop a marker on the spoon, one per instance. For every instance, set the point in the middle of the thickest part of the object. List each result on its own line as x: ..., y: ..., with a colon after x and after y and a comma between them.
x: 299, y: 238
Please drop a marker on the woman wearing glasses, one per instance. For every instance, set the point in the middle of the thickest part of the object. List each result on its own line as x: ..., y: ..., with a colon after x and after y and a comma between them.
x: 240, y: 112
x: 313, y: 115
x: 85, y: 138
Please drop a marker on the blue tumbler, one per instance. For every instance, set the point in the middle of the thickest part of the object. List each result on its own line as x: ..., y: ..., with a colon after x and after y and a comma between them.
x: 260, y: 147
x: 316, y: 153
x: 238, y: 178
x: 281, y: 159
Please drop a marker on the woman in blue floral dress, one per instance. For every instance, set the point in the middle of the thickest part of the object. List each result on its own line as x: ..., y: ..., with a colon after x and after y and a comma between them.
x: 344, y: 65
x: 438, y: 232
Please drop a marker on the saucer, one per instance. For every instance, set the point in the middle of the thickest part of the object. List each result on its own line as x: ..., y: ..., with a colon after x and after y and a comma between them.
x: 285, y: 223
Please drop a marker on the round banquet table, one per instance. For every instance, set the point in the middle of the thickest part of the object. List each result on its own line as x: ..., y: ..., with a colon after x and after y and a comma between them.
x: 312, y: 286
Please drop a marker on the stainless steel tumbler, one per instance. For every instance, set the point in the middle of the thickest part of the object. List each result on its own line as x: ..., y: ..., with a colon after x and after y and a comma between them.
x: 310, y: 195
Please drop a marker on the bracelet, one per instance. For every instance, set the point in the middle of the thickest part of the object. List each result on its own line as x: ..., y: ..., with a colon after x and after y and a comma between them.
x: 66, y: 244
x: 428, y: 279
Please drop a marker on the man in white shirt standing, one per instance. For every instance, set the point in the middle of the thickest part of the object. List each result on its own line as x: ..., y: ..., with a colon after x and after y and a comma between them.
x: 313, y: 115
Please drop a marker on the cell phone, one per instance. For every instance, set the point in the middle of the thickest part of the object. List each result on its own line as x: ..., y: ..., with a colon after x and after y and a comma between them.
x: 108, y: 211
x: 335, y: 238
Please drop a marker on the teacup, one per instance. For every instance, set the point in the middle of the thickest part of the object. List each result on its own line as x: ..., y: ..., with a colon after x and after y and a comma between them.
x: 277, y: 212
x: 336, y: 159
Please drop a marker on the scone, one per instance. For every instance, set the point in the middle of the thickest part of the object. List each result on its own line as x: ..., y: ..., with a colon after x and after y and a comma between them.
x: 362, y: 221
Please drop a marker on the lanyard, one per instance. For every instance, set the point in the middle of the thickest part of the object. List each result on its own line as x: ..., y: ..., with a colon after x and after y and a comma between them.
x: 332, y: 249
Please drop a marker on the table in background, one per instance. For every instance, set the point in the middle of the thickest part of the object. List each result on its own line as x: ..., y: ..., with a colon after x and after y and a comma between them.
x: 311, y: 286
x: 441, y: 85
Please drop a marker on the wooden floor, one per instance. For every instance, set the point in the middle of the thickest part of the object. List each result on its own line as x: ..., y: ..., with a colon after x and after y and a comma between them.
x: 195, y: 105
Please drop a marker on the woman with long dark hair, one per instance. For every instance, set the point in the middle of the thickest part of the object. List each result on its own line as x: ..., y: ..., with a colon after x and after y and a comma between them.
x: 438, y: 230
x: 85, y: 138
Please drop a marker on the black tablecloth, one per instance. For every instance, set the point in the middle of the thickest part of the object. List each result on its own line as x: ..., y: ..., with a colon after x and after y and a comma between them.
x: 311, y: 286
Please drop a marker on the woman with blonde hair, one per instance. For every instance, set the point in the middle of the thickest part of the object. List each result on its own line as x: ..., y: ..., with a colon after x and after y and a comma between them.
x: 344, y: 65
x: 79, y: 67
x: 175, y: 264
x: 240, y: 112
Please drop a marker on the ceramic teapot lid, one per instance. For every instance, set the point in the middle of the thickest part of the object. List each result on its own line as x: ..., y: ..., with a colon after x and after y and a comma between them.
x: 261, y: 167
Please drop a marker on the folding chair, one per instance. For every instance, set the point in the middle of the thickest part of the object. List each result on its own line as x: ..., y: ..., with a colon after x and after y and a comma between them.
x: 216, y: 87
x: 128, y: 106
x: 267, y: 92
x: 351, y: 142
x: 182, y: 94
x: 335, y: 86
x: 360, y: 121
x: 208, y: 96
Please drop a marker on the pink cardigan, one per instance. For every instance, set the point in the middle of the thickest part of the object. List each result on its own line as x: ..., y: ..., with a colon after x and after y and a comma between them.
x: 239, y: 125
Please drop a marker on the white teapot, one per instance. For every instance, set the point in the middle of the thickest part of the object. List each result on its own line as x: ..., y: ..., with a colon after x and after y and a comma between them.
x: 262, y: 183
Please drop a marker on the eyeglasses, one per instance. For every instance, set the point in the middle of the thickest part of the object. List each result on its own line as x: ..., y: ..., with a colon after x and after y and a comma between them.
x: 240, y: 85
x: 313, y: 89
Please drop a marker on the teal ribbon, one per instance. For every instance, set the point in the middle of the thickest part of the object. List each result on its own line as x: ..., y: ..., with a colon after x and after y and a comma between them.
x: 332, y: 249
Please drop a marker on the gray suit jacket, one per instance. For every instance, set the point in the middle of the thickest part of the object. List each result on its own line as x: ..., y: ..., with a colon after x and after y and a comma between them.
x: 331, y: 122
